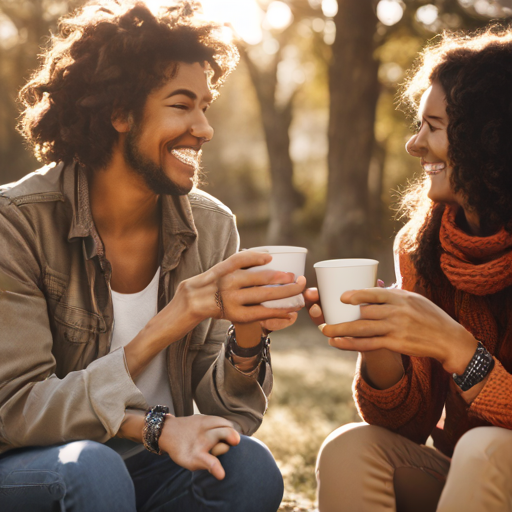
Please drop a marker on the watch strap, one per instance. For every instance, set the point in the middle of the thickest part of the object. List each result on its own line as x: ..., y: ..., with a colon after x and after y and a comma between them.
x: 234, y: 349
x: 478, y: 368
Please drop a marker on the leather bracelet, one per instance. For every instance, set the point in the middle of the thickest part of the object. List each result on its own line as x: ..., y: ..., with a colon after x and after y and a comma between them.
x: 478, y: 368
x: 234, y: 349
x: 153, y: 425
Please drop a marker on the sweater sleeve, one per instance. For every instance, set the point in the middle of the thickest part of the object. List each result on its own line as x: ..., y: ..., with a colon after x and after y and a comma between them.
x: 413, y: 406
x: 493, y: 403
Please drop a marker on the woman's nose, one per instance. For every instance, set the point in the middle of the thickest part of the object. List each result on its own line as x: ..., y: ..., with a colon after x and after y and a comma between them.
x: 415, y: 145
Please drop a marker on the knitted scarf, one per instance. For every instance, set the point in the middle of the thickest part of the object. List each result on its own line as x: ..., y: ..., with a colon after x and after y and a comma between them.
x: 477, y: 267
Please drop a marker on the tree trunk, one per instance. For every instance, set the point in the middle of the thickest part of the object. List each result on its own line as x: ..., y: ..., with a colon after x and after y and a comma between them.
x: 375, y: 189
x: 276, y: 120
x: 354, y: 90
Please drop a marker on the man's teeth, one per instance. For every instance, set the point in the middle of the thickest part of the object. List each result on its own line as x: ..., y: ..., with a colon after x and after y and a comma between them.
x: 433, y: 168
x: 188, y: 156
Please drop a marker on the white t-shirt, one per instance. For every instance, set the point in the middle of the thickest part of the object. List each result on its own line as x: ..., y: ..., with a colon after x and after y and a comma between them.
x: 132, y: 311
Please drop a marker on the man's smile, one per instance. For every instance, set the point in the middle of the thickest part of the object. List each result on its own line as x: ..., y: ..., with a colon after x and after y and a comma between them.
x: 187, y: 155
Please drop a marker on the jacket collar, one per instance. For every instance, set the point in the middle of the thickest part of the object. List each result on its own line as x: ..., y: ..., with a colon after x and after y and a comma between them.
x: 178, y: 229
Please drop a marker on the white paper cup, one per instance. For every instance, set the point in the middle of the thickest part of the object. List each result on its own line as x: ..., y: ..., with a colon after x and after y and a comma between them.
x: 284, y: 259
x: 335, y: 277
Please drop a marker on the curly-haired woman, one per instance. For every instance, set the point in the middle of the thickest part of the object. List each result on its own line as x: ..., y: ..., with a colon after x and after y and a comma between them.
x: 443, y: 338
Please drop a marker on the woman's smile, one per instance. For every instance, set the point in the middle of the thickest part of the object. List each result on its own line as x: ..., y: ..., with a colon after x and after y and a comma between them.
x: 433, y: 168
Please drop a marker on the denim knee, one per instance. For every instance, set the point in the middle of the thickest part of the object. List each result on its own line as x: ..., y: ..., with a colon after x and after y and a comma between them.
x: 93, y: 471
x: 80, y: 476
x: 253, y: 476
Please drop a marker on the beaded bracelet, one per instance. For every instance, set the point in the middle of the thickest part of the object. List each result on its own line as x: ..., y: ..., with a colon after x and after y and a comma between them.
x: 153, y: 424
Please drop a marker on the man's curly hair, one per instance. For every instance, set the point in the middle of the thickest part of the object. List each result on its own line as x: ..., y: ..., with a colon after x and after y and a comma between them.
x: 475, y: 72
x: 108, y: 57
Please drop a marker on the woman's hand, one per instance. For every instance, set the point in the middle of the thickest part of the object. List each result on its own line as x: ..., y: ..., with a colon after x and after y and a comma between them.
x: 405, y: 323
x: 312, y: 299
x: 193, y: 441
x: 381, y: 368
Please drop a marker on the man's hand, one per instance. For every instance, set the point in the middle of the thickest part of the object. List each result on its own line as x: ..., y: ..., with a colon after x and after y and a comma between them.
x: 277, y: 324
x: 227, y: 290
x: 190, y: 440
x: 239, y: 291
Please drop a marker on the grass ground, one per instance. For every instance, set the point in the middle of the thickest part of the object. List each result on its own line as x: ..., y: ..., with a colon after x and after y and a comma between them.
x: 312, y: 396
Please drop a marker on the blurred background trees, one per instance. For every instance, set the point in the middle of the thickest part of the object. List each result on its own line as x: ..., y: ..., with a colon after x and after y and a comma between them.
x: 308, y: 147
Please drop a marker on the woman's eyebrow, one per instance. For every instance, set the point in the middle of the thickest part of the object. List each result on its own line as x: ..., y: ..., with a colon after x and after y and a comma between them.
x: 437, y: 118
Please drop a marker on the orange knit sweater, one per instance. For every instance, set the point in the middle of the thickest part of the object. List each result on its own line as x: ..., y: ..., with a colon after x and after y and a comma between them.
x: 479, y: 297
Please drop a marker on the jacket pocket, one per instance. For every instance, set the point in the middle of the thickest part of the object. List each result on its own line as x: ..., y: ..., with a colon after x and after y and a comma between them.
x: 55, y: 284
x: 75, y: 324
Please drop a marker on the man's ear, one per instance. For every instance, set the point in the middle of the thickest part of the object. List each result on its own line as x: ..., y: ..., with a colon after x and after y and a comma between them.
x: 121, y: 121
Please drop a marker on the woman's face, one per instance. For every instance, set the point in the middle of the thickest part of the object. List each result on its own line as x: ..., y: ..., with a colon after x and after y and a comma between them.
x: 430, y: 144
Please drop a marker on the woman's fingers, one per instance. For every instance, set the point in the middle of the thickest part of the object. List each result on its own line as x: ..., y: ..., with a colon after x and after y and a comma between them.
x: 357, y: 344
x: 372, y: 296
x: 376, y: 311
x: 357, y: 328
x: 316, y: 314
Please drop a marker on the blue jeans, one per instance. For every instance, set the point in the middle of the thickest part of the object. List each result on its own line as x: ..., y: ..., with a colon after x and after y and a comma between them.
x: 85, y: 476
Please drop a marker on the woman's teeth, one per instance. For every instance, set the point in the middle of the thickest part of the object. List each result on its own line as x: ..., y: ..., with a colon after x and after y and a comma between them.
x: 188, y: 156
x: 433, y: 168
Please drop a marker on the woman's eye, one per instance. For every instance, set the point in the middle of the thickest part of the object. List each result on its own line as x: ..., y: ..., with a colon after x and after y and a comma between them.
x: 417, y: 126
x: 180, y: 106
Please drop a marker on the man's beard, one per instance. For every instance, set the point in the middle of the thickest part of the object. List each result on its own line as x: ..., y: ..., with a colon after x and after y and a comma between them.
x: 153, y: 174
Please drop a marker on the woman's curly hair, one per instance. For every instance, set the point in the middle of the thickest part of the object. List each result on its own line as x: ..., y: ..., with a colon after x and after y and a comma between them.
x: 108, y: 57
x: 475, y: 72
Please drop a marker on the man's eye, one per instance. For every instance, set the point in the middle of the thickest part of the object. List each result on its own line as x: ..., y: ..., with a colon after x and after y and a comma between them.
x: 179, y: 106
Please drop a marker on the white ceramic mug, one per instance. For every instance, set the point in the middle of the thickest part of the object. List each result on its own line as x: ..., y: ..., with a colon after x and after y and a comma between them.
x: 335, y: 277
x: 284, y: 259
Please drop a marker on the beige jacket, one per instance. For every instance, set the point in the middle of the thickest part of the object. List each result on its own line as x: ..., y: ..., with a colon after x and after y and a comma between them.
x: 58, y: 381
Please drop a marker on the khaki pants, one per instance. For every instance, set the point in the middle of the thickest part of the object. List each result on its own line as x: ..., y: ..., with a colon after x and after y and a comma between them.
x: 364, y: 468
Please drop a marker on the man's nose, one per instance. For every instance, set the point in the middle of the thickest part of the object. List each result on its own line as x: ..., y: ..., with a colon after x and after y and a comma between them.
x: 201, y: 129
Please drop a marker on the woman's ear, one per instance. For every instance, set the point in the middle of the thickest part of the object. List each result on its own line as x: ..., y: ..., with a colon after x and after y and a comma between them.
x: 121, y: 121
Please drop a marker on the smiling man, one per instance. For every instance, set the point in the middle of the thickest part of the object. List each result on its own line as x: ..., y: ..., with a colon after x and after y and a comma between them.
x: 123, y: 299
